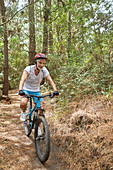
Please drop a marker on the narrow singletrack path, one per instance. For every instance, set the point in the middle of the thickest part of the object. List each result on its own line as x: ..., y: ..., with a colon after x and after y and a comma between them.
x: 17, y: 151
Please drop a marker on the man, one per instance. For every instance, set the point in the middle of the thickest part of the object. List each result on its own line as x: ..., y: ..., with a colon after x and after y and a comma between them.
x: 30, y: 82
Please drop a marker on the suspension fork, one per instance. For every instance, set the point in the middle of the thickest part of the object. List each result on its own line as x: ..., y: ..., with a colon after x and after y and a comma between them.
x: 30, y: 108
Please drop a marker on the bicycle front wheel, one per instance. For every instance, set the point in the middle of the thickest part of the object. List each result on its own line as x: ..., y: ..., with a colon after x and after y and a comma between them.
x: 42, y: 139
x: 27, y: 127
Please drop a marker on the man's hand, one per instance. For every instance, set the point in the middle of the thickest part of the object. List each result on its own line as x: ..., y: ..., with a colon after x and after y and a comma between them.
x: 21, y: 92
x: 56, y: 93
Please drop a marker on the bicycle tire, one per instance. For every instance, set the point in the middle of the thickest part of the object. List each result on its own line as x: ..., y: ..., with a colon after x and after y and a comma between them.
x: 42, y: 144
x: 27, y: 127
x: 27, y: 123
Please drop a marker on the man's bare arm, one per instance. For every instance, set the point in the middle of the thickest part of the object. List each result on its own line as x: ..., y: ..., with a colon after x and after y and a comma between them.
x: 51, y: 82
x: 23, y: 79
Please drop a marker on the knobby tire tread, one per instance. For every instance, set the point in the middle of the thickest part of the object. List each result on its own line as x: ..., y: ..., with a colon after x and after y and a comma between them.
x: 47, y: 134
x: 29, y: 130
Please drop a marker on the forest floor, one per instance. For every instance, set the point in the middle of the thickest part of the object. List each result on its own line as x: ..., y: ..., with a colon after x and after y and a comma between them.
x: 80, y: 140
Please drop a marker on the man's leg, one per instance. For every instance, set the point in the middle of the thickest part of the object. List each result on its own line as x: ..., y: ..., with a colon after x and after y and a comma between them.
x: 42, y: 105
x: 23, y: 103
x: 23, y: 106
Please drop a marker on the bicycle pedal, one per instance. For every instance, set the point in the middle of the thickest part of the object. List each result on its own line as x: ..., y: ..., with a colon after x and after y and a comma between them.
x: 27, y: 119
x: 40, y: 138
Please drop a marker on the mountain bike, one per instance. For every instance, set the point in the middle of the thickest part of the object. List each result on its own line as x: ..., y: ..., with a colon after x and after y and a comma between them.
x: 35, y: 119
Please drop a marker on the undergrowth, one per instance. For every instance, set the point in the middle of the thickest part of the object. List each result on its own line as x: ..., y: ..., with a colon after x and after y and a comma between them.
x: 75, y: 82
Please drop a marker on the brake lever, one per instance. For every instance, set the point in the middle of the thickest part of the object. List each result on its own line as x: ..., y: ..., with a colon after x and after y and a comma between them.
x: 51, y: 95
x: 27, y: 96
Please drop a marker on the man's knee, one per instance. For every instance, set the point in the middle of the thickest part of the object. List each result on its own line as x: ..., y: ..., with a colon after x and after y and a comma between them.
x: 23, y: 103
x: 42, y: 104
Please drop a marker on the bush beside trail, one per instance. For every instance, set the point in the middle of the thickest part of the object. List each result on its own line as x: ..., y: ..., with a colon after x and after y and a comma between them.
x: 85, y: 135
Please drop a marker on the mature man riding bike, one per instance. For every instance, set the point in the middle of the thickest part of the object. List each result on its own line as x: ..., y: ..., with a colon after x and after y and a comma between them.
x: 30, y: 82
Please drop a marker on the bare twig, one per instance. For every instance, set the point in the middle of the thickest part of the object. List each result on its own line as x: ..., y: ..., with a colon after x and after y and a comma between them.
x: 17, y: 13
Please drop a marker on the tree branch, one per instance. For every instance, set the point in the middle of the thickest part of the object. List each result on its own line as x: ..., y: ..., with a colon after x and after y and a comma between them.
x: 17, y: 13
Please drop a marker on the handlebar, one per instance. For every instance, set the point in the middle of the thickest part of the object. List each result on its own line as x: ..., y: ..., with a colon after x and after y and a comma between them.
x: 30, y: 96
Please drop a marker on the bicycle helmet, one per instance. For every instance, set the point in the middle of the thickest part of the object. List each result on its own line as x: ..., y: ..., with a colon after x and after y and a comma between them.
x: 40, y: 56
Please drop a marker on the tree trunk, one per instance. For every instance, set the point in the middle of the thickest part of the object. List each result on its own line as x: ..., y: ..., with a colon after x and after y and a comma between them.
x: 50, y: 40
x: 45, y: 29
x: 50, y: 32
x: 69, y: 34
x: 32, y: 43
x: 5, y: 81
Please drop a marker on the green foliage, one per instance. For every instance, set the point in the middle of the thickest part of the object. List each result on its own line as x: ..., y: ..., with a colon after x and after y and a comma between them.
x: 88, y: 70
x: 17, y: 61
x: 75, y: 82
x: 55, y: 63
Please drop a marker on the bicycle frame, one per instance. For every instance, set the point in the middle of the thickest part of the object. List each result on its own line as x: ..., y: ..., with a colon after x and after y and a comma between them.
x: 35, y: 109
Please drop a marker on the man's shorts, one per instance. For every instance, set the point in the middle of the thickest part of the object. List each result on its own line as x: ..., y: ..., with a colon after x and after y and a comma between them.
x: 35, y: 99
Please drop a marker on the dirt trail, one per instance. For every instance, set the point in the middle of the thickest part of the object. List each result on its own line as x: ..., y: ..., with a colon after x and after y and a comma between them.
x: 17, y: 151
x: 81, y: 136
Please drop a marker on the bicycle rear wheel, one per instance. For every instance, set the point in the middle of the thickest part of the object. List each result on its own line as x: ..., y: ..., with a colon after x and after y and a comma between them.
x: 42, y: 142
